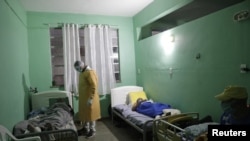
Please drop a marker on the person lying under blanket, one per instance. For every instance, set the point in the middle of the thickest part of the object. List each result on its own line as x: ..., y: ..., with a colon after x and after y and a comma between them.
x: 57, y: 116
x: 149, y: 108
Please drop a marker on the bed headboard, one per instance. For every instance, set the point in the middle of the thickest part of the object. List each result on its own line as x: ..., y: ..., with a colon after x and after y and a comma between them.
x: 119, y: 94
x: 42, y: 99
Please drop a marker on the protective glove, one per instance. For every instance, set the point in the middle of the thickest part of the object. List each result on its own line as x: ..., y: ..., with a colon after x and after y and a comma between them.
x: 90, y: 101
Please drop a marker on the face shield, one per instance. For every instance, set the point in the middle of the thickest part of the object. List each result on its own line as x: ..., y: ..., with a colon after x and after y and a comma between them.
x: 79, y: 66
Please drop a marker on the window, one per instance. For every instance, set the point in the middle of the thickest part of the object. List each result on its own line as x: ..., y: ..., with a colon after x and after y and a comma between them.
x: 115, y: 55
x: 81, y: 38
x: 57, y: 60
x: 56, y: 44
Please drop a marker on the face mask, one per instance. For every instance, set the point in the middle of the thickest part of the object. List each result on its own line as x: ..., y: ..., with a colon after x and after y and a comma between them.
x: 227, y: 106
x: 78, y: 68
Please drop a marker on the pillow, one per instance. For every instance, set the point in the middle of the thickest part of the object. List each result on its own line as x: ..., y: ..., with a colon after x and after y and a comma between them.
x: 133, y: 96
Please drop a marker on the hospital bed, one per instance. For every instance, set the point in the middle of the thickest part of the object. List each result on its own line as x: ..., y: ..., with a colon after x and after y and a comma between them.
x: 51, y: 118
x: 122, y: 109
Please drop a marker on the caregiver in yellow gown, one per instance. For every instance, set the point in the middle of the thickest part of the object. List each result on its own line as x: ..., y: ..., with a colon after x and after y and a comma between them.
x: 89, y: 104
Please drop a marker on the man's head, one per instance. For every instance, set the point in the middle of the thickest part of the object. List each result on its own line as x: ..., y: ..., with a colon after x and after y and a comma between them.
x: 232, y: 92
x: 137, y: 103
x: 233, y: 98
x: 139, y: 100
x: 79, y: 66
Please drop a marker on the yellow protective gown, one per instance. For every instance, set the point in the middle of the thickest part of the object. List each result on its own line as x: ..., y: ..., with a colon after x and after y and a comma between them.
x: 88, y: 88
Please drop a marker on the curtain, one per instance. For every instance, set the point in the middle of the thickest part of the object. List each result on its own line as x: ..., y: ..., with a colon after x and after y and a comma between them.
x: 98, y: 52
x: 71, y: 50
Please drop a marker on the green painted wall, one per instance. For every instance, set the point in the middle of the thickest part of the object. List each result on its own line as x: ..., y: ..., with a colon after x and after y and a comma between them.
x: 14, y: 60
x: 222, y: 43
x: 39, y: 47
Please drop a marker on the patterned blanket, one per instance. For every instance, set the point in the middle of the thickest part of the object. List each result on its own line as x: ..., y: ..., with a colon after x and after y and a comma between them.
x: 58, y: 116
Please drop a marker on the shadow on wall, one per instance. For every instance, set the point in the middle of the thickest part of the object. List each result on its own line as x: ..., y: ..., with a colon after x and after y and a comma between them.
x: 27, y: 100
x: 105, y: 103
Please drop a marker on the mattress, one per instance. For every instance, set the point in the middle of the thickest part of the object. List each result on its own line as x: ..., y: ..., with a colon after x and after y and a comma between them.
x: 133, y: 116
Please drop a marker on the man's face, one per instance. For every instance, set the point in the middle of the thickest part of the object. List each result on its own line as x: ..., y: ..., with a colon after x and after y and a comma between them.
x: 229, y: 106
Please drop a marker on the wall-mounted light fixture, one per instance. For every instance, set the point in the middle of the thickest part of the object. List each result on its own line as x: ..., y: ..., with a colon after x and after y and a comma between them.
x: 170, y: 38
x: 244, y: 68
x: 167, y: 42
x: 241, y: 15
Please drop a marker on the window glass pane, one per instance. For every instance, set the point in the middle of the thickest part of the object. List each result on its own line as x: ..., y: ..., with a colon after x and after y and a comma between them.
x: 115, y: 54
x: 57, y: 60
x: 56, y: 44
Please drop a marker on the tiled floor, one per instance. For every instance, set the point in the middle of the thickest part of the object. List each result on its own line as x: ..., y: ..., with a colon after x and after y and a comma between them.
x: 107, y: 131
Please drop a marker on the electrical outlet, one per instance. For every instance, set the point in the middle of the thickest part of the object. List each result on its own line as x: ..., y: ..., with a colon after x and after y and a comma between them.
x: 242, y: 68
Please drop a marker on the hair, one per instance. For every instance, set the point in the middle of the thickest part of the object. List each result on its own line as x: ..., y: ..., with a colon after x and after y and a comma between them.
x: 139, y: 100
x: 137, y: 103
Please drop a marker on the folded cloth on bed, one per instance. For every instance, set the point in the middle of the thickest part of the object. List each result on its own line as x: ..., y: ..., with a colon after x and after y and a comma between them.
x: 171, y: 111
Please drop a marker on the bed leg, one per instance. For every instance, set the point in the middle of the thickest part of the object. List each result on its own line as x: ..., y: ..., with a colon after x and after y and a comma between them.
x: 112, y: 117
x: 144, y: 138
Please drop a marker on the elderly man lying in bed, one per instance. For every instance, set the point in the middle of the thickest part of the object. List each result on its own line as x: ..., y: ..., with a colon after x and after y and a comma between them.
x: 150, y: 108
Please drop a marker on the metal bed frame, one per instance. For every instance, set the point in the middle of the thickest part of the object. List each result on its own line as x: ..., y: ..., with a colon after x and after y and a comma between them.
x: 41, y: 99
x: 55, y: 135
x: 119, y: 95
x: 167, y: 128
x: 144, y: 130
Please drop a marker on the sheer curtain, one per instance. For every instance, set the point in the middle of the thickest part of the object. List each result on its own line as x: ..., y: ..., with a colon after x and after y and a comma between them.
x: 71, y: 50
x: 98, y: 53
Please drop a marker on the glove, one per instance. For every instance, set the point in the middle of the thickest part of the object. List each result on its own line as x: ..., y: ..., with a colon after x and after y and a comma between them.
x: 89, y: 103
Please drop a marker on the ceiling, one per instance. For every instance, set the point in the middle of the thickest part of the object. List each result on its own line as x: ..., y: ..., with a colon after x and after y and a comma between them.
x: 193, y: 10
x: 126, y: 8
x: 198, y: 8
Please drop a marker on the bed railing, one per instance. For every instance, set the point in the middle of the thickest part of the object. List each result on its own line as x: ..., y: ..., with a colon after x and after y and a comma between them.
x: 55, y: 135
x: 169, y: 128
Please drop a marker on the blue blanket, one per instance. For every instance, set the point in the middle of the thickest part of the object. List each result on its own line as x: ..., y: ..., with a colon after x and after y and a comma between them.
x: 152, y: 109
